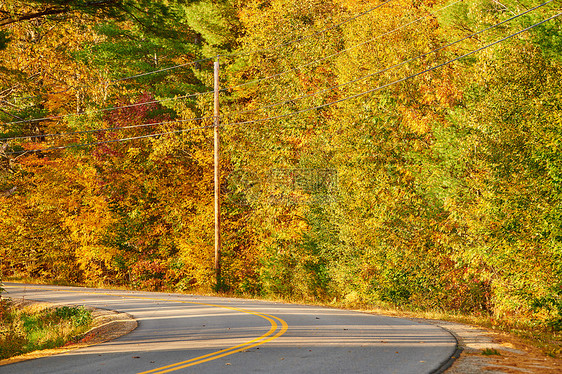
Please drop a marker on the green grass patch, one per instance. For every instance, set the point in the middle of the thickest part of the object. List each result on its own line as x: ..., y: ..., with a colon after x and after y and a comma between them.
x: 490, y: 352
x: 28, y: 328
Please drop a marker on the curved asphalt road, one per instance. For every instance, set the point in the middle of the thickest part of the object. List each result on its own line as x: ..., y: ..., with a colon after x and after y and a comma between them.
x: 197, y: 334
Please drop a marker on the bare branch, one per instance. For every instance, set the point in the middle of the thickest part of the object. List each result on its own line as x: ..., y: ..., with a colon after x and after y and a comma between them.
x: 10, y: 114
x: 10, y: 104
x: 47, y: 12
x: 7, y: 20
x: 10, y: 192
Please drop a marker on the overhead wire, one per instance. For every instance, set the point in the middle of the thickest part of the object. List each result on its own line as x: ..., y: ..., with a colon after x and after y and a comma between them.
x: 310, y: 94
x: 226, y: 88
x: 378, y: 88
x: 162, y: 70
x: 54, y: 148
x: 363, y: 93
x: 281, y: 45
x: 92, y: 131
x: 133, y: 76
x: 88, y: 112
x: 235, y: 53
x: 341, y: 51
x: 299, y: 39
x: 187, y: 64
x: 332, y: 88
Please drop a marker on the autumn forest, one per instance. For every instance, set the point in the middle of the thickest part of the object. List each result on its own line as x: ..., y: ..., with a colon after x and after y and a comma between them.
x: 399, y: 152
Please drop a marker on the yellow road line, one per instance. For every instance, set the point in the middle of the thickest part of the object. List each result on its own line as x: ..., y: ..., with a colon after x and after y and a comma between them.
x: 265, y: 338
x: 225, y: 352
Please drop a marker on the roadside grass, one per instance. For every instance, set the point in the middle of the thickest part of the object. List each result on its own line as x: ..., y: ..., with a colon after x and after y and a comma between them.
x: 26, y: 328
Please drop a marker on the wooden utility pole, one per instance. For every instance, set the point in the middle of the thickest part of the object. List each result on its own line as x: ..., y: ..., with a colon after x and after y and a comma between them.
x: 217, y: 180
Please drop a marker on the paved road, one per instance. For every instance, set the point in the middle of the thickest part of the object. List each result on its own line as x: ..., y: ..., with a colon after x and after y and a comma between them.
x: 197, y: 334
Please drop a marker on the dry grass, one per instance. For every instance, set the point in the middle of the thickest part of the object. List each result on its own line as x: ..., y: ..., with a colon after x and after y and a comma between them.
x: 549, y: 341
x: 26, y: 328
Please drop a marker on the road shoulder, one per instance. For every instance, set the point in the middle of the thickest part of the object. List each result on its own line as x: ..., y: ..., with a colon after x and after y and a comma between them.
x: 489, y: 352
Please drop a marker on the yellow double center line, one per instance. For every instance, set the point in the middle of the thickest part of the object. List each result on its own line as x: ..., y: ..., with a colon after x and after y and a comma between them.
x: 278, y: 328
x: 267, y: 337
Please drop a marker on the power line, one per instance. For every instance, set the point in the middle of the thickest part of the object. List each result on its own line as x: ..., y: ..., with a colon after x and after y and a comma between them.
x: 227, y: 88
x: 131, y: 77
x: 162, y: 70
x: 200, y: 61
x: 198, y: 93
x: 107, y: 109
x: 296, y: 40
x: 281, y: 45
x: 339, y: 52
x: 395, y: 65
x: 110, y: 141
x: 230, y: 87
x: 310, y: 94
x: 316, y: 107
x: 396, y: 81
x: 236, y: 53
x: 108, y: 129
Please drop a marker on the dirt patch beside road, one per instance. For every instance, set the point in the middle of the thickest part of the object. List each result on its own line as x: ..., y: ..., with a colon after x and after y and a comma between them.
x: 489, y: 352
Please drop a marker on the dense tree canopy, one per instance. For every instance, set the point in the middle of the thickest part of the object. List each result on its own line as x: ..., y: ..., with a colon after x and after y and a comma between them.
x: 363, y: 159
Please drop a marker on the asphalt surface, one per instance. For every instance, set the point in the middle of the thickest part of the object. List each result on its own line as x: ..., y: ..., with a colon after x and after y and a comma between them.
x: 198, y: 334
